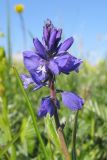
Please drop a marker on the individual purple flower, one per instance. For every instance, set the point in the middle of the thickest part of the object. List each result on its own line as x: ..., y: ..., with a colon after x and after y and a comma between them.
x: 47, y: 106
x: 50, y: 58
x: 72, y: 101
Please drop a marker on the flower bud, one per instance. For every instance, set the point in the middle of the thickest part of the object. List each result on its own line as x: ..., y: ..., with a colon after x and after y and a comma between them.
x: 19, y: 8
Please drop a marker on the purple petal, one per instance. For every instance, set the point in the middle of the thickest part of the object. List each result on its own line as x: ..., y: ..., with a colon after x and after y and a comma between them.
x: 52, y: 38
x: 72, y: 101
x: 40, y: 48
x: 53, y: 67
x: 58, y: 36
x: 38, y: 77
x: 38, y: 87
x: 67, y: 63
x: 27, y: 80
x: 61, y: 60
x: 45, y: 34
x: 66, y: 45
x: 31, y: 60
x: 47, y: 106
x: 42, y: 111
x: 46, y: 31
x: 48, y: 24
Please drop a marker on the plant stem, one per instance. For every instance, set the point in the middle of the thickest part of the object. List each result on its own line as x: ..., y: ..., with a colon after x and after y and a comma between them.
x: 74, y: 137
x: 57, y: 122
x: 23, y: 30
x: 8, y: 33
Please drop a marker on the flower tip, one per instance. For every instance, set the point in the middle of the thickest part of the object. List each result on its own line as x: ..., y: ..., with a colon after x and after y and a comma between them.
x: 48, y: 22
x: 34, y: 39
x: 72, y: 40
x: 66, y: 44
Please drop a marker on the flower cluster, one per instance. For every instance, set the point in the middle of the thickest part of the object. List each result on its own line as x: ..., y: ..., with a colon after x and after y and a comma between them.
x: 49, y: 59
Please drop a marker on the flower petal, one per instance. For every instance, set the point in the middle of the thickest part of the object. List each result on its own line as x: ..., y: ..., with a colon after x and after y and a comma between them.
x: 59, y: 33
x: 38, y: 87
x: 61, y: 60
x: 46, y: 31
x: 53, y: 67
x: 27, y: 80
x: 72, y: 101
x: 37, y: 77
x: 45, y: 34
x: 52, y: 38
x: 31, y: 60
x: 47, y: 106
x: 67, y: 63
x: 40, y: 48
x: 66, y: 45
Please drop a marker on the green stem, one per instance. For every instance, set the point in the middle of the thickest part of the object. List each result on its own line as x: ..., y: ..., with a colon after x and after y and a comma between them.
x: 30, y: 108
x: 23, y: 29
x: 92, y: 128
x: 74, y: 137
x: 30, y: 34
x: 8, y: 33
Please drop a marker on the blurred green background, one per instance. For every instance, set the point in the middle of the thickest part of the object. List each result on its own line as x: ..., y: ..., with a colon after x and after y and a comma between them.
x: 18, y: 140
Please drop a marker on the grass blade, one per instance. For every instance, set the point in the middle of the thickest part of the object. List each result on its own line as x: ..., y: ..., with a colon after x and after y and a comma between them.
x: 30, y: 108
x: 9, y: 145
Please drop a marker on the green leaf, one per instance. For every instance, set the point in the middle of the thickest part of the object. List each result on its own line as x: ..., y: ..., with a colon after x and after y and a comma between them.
x: 9, y: 145
x: 31, y: 112
x: 52, y: 131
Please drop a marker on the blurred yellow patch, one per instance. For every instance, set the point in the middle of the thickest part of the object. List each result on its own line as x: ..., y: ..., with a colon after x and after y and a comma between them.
x: 2, y: 53
x: 2, y: 90
x: 19, y: 8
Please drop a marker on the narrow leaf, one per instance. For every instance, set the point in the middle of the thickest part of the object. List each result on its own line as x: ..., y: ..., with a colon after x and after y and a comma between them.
x: 31, y: 112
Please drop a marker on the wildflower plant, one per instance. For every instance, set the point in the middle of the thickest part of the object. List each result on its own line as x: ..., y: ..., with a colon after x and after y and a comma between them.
x: 49, y: 59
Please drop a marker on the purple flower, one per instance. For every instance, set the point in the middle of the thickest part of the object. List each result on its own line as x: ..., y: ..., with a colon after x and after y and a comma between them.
x: 49, y: 58
x: 72, y: 101
x: 47, y: 106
